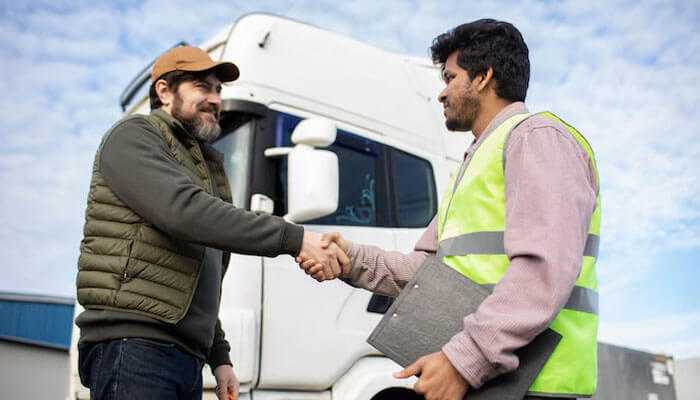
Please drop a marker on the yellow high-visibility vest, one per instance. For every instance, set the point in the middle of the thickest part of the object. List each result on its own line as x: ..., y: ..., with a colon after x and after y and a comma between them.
x: 471, y: 226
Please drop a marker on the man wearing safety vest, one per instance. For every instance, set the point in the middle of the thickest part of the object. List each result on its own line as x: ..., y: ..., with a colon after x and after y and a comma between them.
x: 521, y: 216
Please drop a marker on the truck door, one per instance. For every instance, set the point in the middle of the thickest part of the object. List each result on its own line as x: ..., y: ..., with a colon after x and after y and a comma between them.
x: 312, y: 333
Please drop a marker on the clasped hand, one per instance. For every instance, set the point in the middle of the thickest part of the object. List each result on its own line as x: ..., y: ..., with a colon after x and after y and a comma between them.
x: 323, y: 257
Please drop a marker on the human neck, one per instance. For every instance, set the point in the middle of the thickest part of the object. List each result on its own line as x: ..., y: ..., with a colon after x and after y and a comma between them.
x: 488, y: 111
x: 167, y: 108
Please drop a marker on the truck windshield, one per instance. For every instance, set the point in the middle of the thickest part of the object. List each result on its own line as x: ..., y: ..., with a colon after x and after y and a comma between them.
x: 235, y: 142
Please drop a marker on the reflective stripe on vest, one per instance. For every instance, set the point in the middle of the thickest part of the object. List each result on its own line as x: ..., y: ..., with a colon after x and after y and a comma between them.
x: 492, y: 243
x: 471, y: 226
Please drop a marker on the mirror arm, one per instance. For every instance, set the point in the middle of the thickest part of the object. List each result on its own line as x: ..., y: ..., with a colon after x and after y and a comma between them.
x: 277, y: 151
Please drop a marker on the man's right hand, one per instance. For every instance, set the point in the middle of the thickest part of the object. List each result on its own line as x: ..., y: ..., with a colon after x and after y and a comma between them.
x: 327, y: 258
x: 331, y: 241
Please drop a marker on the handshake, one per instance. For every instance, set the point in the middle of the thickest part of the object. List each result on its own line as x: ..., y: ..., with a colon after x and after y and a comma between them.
x: 324, y: 257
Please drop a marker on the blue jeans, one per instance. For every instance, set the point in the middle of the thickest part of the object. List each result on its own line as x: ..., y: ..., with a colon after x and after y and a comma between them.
x: 135, y: 368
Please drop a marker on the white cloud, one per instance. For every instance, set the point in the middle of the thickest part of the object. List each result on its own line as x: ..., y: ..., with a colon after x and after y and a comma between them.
x: 667, y: 334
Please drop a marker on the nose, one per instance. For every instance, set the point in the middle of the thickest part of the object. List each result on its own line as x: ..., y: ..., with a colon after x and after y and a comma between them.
x: 214, y: 98
x: 442, y: 96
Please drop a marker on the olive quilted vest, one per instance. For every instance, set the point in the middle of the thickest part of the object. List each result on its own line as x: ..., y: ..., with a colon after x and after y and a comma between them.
x: 126, y: 263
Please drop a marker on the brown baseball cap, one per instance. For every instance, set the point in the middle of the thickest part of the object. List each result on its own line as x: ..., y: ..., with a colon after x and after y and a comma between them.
x: 187, y: 58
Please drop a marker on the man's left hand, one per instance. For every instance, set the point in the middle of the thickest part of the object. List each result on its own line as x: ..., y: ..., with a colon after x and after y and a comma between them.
x: 437, y: 378
x: 227, y: 385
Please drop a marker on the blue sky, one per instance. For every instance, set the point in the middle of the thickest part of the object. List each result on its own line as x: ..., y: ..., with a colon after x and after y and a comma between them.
x: 625, y: 74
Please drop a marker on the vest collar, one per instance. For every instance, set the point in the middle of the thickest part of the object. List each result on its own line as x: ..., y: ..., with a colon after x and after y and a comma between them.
x: 508, y: 111
x: 179, y: 130
x: 175, y: 125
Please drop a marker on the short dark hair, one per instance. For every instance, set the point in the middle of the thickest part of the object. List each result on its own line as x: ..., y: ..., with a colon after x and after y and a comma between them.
x: 174, y: 79
x: 488, y: 43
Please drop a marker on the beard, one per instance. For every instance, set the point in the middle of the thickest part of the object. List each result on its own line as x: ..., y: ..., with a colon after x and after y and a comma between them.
x: 203, y: 129
x: 466, y: 109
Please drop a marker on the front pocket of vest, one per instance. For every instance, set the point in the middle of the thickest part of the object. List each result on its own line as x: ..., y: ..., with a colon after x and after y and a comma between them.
x: 134, y: 268
x: 128, y: 273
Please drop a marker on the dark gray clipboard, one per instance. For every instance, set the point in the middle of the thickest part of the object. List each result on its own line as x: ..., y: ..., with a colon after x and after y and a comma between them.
x: 430, y: 310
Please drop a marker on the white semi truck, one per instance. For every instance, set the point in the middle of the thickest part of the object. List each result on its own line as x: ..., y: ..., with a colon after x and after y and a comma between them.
x: 291, y: 337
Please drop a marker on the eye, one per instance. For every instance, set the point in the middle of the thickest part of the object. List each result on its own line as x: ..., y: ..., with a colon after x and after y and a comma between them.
x: 447, y: 77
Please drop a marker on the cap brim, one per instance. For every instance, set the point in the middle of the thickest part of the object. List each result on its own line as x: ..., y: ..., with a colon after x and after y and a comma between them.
x: 224, y: 70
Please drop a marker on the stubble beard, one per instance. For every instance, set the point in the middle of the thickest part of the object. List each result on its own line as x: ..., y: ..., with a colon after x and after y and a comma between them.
x: 467, y: 109
x: 202, y: 129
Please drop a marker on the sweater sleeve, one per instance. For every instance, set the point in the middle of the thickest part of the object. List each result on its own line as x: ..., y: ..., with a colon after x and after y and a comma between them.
x: 387, y: 272
x: 219, y: 352
x: 139, y: 169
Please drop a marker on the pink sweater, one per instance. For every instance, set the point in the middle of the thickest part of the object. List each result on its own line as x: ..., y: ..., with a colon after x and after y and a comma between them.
x: 550, y: 196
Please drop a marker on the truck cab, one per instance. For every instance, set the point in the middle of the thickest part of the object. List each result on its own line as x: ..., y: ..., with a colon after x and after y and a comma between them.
x: 292, y: 337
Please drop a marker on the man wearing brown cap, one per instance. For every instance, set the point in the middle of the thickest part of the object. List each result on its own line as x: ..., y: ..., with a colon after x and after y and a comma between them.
x: 158, y: 232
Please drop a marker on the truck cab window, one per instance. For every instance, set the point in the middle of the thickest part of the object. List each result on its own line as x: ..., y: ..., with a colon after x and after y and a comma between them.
x: 361, y: 198
x: 379, y: 185
x: 235, y: 143
x: 414, y: 189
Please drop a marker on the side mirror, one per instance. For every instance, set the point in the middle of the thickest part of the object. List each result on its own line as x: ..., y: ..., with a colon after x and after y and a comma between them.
x: 312, y: 175
x: 314, y: 132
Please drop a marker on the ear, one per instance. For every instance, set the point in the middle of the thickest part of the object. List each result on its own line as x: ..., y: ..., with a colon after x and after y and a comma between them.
x: 486, y: 79
x: 164, y: 93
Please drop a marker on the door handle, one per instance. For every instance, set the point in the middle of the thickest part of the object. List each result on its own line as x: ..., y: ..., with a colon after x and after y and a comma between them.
x: 379, y: 304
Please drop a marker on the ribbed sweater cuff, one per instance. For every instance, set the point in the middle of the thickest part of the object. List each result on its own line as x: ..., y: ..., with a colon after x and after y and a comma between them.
x: 469, y: 361
x: 219, y: 356
x: 293, y: 239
